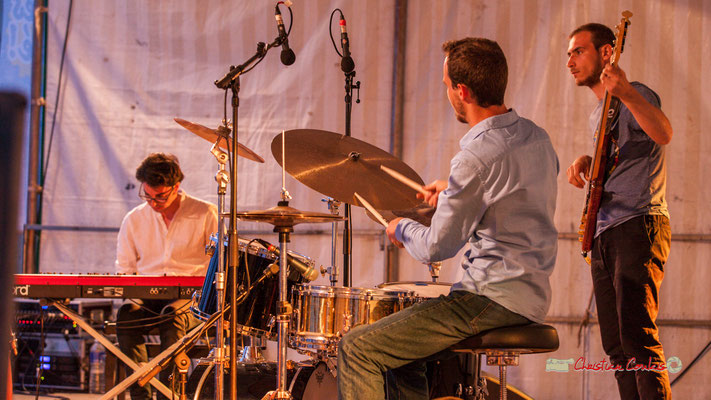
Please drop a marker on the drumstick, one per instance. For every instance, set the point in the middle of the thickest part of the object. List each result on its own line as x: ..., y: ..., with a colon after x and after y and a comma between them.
x: 403, y: 179
x: 372, y: 210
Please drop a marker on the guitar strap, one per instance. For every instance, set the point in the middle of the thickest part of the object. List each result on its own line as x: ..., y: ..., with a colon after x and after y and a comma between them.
x: 613, y: 151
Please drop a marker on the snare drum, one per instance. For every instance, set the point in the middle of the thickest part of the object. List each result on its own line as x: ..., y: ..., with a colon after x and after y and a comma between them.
x: 255, y: 315
x: 422, y: 290
x: 323, y: 314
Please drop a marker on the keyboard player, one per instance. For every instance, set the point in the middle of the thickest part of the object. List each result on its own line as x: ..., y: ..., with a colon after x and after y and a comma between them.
x: 166, y: 235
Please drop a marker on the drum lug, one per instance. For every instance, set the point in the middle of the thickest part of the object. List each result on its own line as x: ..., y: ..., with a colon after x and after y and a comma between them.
x: 295, y: 314
x: 347, y: 322
x: 331, y: 364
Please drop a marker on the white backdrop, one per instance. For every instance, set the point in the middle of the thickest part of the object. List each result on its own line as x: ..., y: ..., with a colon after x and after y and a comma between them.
x: 133, y: 66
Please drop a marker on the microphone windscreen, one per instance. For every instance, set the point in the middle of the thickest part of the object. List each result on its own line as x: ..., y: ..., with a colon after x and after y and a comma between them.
x: 347, y: 64
x: 288, y: 57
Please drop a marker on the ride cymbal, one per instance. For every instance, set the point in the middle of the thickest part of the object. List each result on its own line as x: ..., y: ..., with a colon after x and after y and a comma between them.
x: 338, y: 166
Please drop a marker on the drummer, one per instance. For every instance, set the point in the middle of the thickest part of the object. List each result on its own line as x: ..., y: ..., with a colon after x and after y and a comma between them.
x: 499, y: 201
x: 166, y: 235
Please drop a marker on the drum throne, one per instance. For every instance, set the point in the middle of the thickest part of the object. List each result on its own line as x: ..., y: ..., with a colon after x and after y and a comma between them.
x: 502, y: 347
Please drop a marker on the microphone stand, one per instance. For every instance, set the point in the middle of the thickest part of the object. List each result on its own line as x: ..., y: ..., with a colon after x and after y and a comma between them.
x: 348, y: 228
x: 231, y: 80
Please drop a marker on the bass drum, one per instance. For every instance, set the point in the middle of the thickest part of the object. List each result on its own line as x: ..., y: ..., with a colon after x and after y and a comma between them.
x: 314, y: 382
x: 309, y: 382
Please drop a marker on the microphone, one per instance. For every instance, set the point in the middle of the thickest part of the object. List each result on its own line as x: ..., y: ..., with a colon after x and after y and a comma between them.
x: 287, y: 55
x: 347, y: 64
x: 304, y: 270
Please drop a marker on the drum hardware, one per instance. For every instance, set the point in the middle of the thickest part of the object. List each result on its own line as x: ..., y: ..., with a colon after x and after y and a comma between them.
x: 283, y: 217
x: 222, y: 177
x: 182, y: 362
x: 252, y: 351
x: 332, y: 270
x: 434, y: 268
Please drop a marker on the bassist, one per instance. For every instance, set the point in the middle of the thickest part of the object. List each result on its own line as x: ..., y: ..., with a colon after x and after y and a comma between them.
x: 632, y: 233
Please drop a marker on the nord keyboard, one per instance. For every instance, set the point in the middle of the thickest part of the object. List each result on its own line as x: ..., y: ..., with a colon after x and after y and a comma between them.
x: 61, y: 286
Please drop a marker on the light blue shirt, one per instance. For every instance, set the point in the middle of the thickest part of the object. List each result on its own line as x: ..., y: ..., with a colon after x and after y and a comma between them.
x: 500, y: 200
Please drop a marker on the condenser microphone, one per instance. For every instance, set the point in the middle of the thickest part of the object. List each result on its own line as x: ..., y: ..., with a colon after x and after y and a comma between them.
x: 347, y: 64
x: 287, y: 55
x: 304, y: 270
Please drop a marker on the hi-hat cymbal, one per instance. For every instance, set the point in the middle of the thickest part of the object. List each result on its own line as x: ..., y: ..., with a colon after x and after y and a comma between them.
x: 287, y: 216
x: 211, y: 136
x: 338, y: 166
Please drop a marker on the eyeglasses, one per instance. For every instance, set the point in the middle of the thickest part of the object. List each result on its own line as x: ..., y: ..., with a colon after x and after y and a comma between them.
x: 160, y: 198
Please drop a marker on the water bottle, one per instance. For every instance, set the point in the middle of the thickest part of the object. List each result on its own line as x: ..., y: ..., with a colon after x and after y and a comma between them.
x: 97, y: 365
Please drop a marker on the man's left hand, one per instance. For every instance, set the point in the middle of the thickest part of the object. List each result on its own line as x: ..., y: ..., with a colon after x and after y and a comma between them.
x: 391, y: 232
x: 615, y: 81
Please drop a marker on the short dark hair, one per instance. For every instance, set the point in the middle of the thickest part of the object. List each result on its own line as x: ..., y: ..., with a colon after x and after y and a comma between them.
x: 601, y: 34
x: 480, y: 65
x: 160, y: 169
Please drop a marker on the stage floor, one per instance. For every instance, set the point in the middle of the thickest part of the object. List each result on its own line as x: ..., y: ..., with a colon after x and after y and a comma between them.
x: 58, y: 396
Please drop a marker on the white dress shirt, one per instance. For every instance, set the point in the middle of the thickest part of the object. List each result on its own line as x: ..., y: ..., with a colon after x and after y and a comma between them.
x: 146, y: 246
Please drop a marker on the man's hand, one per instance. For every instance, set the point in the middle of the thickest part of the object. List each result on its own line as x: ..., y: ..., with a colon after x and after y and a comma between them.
x: 434, y: 189
x: 615, y: 82
x: 579, y: 171
x: 391, y: 232
x: 650, y: 118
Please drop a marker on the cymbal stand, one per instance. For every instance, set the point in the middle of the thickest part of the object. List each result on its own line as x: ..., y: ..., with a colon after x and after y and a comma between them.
x: 284, y: 311
x: 231, y: 80
x: 332, y: 270
x: 284, y: 308
x: 222, y: 177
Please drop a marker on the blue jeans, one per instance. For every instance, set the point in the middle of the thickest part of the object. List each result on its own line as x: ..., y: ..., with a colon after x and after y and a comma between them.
x: 401, y: 343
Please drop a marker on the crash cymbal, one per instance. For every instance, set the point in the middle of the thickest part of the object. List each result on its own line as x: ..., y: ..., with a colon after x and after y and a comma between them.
x: 211, y: 136
x: 287, y: 216
x: 338, y: 166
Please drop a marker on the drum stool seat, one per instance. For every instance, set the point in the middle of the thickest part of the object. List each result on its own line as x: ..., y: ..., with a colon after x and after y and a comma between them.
x: 503, y: 346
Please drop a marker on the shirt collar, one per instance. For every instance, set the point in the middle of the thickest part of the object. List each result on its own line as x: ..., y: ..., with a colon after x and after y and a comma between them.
x: 495, y: 122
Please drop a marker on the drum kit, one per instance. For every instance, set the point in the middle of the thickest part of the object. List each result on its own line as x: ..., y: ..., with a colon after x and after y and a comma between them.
x: 308, y: 318
x: 268, y: 296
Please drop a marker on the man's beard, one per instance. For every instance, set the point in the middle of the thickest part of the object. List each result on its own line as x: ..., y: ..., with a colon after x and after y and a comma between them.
x: 459, y: 112
x: 593, y: 78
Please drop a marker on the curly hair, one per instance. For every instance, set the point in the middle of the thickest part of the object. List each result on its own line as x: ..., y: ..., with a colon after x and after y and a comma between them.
x: 480, y: 65
x: 160, y: 169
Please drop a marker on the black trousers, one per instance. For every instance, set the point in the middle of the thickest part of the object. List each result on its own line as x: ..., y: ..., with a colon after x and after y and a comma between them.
x: 171, y: 317
x: 627, y: 270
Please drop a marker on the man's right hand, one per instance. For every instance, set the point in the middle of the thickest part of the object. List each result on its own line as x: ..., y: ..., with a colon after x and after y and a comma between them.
x: 579, y: 171
x: 434, y: 189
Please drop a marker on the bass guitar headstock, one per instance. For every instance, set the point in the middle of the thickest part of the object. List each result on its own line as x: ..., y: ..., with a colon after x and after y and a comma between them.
x: 620, y: 36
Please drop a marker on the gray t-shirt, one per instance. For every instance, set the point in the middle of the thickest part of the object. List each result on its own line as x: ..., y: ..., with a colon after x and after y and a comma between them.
x: 636, y: 169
